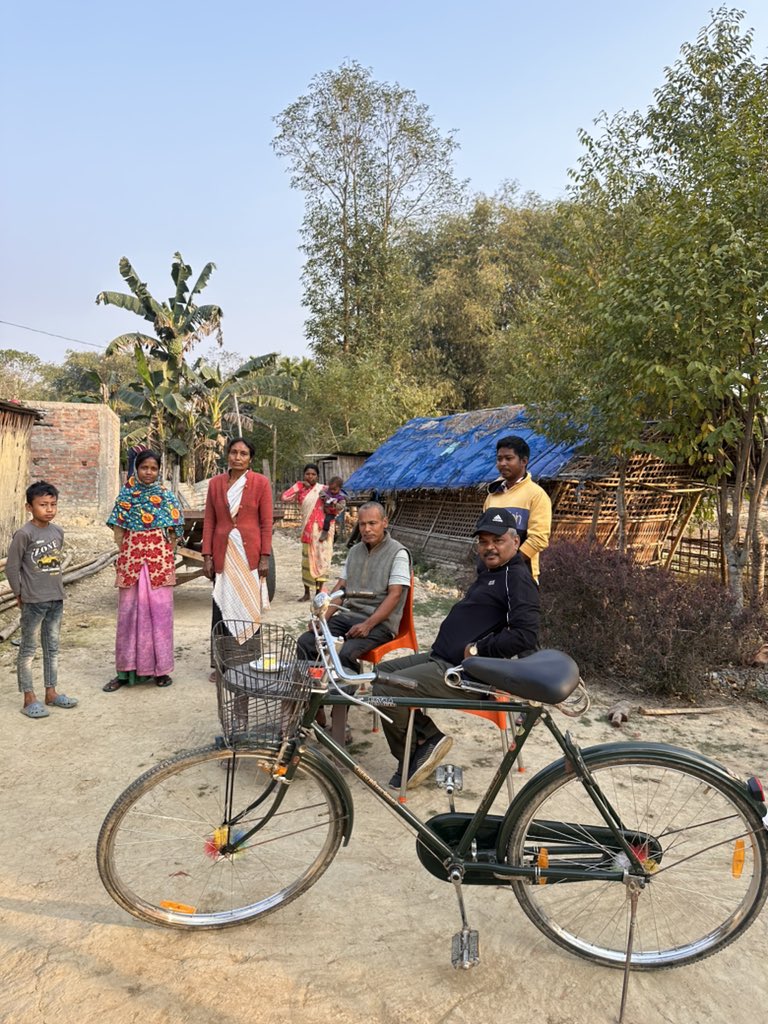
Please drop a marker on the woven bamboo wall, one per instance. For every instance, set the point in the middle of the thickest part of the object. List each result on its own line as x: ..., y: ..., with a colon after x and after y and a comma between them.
x: 437, y: 524
x: 15, y: 429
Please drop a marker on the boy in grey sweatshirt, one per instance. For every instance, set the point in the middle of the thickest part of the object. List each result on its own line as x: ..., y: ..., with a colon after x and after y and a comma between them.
x: 33, y: 570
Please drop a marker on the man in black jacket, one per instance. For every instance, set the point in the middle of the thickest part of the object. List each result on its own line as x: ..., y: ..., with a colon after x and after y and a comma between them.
x: 498, y: 617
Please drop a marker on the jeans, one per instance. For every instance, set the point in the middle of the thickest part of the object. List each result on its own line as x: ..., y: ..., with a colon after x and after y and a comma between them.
x: 44, y: 618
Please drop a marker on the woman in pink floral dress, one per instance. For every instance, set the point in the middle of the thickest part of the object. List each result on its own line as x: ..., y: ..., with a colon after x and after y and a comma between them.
x: 147, y: 522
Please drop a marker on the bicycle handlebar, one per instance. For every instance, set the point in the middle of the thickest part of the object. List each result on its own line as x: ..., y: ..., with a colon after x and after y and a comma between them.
x: 395, y: 680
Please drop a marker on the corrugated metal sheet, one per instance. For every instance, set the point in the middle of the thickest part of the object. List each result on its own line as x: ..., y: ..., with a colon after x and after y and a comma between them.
x: 454, y: 451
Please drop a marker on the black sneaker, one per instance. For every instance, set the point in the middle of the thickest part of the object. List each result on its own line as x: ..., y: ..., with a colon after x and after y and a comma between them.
x: 426, y: 758
x: 396, y: 781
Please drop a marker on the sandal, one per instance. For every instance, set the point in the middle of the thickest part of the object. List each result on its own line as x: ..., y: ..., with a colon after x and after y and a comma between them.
x: 61, y: 700
x: 112, y: 685
x: 35, y: 710
x: 163, y: 680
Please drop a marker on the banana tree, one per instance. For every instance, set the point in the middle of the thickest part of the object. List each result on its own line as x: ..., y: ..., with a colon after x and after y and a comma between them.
x: 220, y: 401
x: 157, y: 396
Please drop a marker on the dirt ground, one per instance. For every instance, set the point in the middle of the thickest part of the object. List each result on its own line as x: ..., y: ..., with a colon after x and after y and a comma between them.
x: 371, y: 941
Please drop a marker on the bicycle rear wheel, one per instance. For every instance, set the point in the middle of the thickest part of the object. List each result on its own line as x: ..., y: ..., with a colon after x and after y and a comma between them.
x: 159, y: 848
x: 704, y: 849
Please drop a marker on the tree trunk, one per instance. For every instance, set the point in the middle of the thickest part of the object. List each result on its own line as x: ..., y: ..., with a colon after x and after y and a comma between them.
x: 734, y: 566
x: 621, y: 507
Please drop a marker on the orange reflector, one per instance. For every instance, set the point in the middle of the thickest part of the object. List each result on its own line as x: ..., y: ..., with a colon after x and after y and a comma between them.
x: 737, y: 861
x: 180, y: 908
x: 542, y: 861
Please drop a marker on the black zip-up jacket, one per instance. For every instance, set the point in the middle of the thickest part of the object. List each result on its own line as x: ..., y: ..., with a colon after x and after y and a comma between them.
x: 500, y: 613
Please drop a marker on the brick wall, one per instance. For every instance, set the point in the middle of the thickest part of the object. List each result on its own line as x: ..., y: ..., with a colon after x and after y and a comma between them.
x: 77, y: 448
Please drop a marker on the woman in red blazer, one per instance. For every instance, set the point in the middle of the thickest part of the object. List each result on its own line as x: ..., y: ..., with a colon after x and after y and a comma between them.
x: 237, y: 540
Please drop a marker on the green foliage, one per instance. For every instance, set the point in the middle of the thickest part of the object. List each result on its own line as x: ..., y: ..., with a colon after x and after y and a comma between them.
x: 26, y: 377
x: 370, y: 162
x: 475, y: 269
x: 92, y: 377
x: 356, y: 402
x: 653, y: 310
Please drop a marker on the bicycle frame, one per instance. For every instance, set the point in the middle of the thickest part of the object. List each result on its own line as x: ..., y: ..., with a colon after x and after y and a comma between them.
x: 525, y: 713
x: 451, y: 857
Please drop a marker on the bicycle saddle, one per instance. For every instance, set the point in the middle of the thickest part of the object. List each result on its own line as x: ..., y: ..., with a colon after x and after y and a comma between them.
x: 546, y: 676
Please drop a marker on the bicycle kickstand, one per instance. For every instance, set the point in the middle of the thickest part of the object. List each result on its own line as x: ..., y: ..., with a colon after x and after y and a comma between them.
x: 633, y: 891
x: 465, y: 946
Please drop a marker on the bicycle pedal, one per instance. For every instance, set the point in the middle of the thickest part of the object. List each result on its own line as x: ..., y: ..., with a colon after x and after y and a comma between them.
x: 465, y: 949
x: 450, y: 777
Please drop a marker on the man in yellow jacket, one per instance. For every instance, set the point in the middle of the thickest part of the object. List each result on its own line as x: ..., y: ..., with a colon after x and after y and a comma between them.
x: 528, y: 503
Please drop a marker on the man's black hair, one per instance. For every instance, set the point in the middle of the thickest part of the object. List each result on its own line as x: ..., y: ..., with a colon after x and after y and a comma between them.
x: 41, y: 489
x: 517, y: 444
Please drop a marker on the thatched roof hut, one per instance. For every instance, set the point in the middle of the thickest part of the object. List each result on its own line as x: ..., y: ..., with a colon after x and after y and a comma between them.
x: 435, y: 473
x: 16, y: 422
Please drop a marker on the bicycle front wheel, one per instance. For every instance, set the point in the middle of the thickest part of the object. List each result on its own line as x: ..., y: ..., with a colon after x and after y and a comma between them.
x: 703, y: 847
x: 174, y: 849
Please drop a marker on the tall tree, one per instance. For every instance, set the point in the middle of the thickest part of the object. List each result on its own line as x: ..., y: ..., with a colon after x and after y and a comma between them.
x: 656, y: 309
x: 475, y: 269
x: 370, y: 162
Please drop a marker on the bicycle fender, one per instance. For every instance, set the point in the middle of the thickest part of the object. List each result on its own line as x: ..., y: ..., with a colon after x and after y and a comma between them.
x: 326, y: 768
x: 671, y: 755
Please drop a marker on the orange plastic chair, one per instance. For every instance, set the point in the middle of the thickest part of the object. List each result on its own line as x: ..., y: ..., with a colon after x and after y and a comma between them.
x: 405, y: 639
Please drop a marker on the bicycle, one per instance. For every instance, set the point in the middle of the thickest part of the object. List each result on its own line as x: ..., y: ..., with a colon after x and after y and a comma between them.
x: 639, y: 856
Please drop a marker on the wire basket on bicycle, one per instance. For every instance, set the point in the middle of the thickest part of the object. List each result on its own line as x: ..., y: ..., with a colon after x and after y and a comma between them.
x: 262, y: 689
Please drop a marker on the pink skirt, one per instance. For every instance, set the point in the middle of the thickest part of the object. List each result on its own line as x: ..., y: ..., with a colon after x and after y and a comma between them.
x: 144, y: 641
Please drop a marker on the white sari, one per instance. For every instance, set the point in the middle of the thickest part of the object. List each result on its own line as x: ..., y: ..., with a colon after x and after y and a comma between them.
x: 238, y: 588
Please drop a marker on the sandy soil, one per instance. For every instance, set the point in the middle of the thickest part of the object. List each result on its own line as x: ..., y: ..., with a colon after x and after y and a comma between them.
x: 370, y: 942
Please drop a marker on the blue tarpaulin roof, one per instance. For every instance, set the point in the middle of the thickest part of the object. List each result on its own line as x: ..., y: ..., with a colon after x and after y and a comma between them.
x: 456, y: 451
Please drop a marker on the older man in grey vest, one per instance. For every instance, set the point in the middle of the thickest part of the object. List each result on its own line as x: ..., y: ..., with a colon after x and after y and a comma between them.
x: 375, y: 579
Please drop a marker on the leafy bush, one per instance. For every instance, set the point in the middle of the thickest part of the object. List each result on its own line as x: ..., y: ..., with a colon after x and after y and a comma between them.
x: 655, y: 630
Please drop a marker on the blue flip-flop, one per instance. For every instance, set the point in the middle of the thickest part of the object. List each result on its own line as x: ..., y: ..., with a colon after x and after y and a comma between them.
x: 61, y: 700
x: 35, y: 710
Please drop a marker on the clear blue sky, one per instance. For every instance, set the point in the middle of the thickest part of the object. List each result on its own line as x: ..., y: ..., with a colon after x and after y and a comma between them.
x: 143, y: 128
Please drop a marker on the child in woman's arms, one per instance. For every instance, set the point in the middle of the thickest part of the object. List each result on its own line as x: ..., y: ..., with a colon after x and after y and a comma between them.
x: 334, y: 500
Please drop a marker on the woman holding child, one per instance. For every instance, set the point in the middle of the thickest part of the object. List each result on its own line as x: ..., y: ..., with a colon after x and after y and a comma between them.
x: 317, y: 532
x: 147, y: 523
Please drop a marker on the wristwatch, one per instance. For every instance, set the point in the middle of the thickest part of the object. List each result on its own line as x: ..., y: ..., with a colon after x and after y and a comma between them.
x: 473, y: 650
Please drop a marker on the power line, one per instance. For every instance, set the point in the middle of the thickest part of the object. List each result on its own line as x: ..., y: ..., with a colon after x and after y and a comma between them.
x: 50, y: 334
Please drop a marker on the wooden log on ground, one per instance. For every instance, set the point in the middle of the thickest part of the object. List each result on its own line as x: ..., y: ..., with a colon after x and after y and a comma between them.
x: 9, y: 630
x: 683, y: 711
x: 70, y: 575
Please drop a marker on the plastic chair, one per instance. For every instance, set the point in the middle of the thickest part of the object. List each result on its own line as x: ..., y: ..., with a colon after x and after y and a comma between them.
x: 405, y: 640
x: 501, y: 719
x: 406, y: 637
